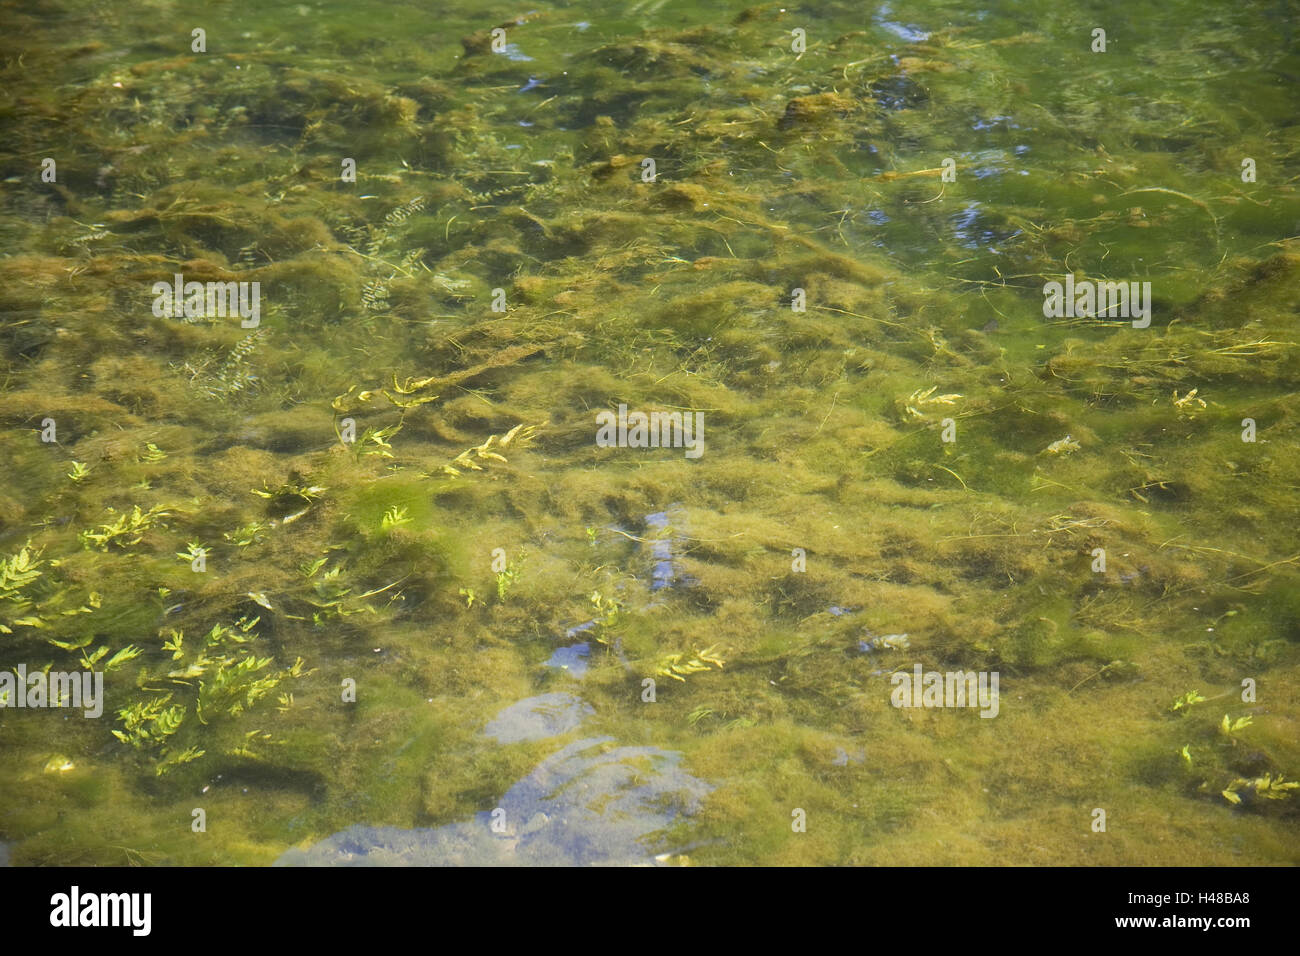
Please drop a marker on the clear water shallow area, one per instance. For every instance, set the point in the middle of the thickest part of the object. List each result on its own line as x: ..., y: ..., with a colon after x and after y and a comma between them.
x: 362, y: 584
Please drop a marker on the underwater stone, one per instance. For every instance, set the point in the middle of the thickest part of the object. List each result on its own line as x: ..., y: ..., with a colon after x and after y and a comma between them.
x: 590, y: 804
x: 536, y: 718
x: 572, y: 659
x: 577, y: 629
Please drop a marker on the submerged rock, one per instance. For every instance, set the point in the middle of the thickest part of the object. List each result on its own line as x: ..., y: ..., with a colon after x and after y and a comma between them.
x: 538, y: 717
x: 590, y: 804
x: 572, y: 659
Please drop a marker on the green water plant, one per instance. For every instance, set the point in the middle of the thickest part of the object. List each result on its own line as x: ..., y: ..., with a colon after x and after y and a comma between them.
x: 1268, y: 786
x: 374, y: 441
x: 29, y: 599
x: 1187, y: 700
x: 394, y: 517
x: 506, y: 579
x: 79, y: 471
x: 1229, y: 727
x: 126, y: 530
x: 331, y: 597
x: 215, y: 680
x: 18, y: 573
x: 232, y: 376
x: 678, y: 666
x: 247, y: 535
x: 469, y: 459
x: 291, y: 500
x: 193, y: 551
x: 608, y: 609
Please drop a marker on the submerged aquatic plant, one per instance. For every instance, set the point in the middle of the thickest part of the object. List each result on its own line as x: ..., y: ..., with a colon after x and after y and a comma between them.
x: 374, y: 441
x: 217, y: 678
x: 674, y: 293
x: 1229, y: 727
x: 1268, y: 786
x: 18, y: 573
x: 394, y: 517
x: 291, y: 500
x: 233, y: 375
x: 126, y: 530
x: 247, y: 535
x: 924, y: 397
x: 193, y: 551
x: 506, y: 579
x: 678, y: 666
x: 470, y: 458
x: 332, y: 598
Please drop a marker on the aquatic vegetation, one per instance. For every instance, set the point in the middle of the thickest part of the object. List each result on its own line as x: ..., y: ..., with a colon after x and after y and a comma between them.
x: 1062, y: 446
x: 1267, y: 787
x: 470, y: 458
x: 1229, y: 727
x: 332, y: 597
x: 1187, y: 700
x: 216, y: 679
x: 506, y: 579
x: 678, y: 666
x: 194, y: 550
x: 799, y: 265
x: 233, y: 375
x: 18, y: 601
x: 30, y: 599
x: 374, y: 441
x: 290, y: 501
x: 126, y: 530
x: 246, y: 536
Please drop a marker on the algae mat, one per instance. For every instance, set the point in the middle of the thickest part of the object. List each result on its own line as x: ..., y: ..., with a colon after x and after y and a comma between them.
x: 660, y: 432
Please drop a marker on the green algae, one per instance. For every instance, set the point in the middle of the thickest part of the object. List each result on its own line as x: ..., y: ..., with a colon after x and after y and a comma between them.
x: 774, y: 172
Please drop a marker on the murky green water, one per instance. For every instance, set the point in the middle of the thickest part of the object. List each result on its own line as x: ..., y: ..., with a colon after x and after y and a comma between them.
x: 363, y: 586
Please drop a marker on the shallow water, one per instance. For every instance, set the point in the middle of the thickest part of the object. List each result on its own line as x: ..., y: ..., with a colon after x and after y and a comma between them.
x: 361, y: 572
